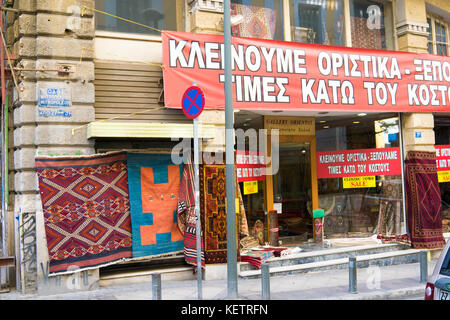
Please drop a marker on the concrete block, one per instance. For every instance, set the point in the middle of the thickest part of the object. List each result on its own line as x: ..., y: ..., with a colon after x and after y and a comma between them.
x: 25, y: 114
x: 24, y: 158
x: 81, y: 92
x: 27, y: 93
x: 427, y: 148
x: 26, y: 25
x: 24, y: 136
x: 412, y: 43
x: 66, y: 6
x: 59, y: 135
x: 64, y: 48
x: 10, y: 17
x: 62, y: 151
x: 73, y: 114
x: 418, y: 137
x: 10, y: 36
x: 206, y: 22
x: 26, y: 181
x: 26, y: 47
x: 418, y: 121
x: 26, y: 5
x: 83, y: 71
x: 63, y: 25
x: 27, y: 202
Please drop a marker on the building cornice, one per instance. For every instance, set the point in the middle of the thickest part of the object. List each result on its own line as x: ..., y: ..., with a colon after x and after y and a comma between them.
x: 206, y: 5
x: 412, y: 27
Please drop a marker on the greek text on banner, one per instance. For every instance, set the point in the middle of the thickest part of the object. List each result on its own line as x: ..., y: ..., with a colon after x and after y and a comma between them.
x: 281, y: 75
x: 358, y: 163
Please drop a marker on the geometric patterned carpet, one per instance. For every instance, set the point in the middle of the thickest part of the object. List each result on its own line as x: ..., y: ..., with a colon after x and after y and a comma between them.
x: 154, y: 183
x: 424, y: 208
x: 86, y: 210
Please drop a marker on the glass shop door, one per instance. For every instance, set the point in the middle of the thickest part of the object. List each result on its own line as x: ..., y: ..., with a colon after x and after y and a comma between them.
x: 295, y: 188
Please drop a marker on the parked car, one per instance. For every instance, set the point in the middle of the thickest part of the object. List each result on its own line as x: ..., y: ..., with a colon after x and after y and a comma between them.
x: 438, y: 285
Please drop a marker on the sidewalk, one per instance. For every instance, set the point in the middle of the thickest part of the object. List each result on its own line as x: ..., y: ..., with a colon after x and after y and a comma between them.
x: 373, y: 283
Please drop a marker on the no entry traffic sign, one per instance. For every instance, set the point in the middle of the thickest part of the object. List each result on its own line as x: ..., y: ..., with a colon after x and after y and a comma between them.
x: 193, y: 102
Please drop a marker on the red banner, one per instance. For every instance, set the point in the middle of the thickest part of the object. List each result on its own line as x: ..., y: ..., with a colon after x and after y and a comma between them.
x: 358, y: 163
x: 442, y: 157
x: 281, y: 75
x: 250, y: 166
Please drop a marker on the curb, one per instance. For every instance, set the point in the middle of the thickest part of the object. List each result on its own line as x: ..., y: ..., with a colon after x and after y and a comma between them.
x: 390, y: 295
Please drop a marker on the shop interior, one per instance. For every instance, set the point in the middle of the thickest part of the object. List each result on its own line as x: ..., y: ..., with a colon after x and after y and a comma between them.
x: 348, y: 212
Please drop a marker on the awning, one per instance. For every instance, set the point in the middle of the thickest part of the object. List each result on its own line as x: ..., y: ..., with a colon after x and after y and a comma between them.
x: 148, y: 130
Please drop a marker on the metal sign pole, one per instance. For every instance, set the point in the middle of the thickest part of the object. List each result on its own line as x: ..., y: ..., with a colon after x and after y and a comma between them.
x: 229, y: 152
x: 192, y: 103
x: 197, y: 209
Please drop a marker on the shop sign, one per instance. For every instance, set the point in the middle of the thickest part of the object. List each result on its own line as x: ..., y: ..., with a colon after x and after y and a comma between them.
x: 297, y: 126
x: 282, y: 75
x: 443, y: 162
x: 359, y: 182
x: 358, y: 163
x: 55, y: 96
x: 443, y: 176
x: 250, y: 187
x: 250, y: 166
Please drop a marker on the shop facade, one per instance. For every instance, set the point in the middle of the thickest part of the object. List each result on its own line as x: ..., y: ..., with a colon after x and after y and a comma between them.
x: 119, y: 101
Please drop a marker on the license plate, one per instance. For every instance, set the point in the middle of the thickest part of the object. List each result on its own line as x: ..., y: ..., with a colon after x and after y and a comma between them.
x: 444, y: 295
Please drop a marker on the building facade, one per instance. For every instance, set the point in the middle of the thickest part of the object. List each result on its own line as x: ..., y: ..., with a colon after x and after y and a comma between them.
x: 102, y: 64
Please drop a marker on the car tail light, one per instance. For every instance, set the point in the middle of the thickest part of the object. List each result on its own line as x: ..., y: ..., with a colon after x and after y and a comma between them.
x: 429, y: 291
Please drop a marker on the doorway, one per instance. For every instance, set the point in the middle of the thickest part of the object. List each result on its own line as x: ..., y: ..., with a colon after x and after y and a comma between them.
x: 294, y: 189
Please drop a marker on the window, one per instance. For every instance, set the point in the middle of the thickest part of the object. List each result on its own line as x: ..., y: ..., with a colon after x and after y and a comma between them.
x: 352, y: 208
x: 158, y: 14
x: 371, y: 22
x: 437, y: 36
x: 445, y: 269
x: 262, y: 19
x: 319, y: 22
x: 430, y: 36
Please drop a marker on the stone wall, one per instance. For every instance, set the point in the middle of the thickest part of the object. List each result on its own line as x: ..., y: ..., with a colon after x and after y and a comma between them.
x: 47, y: 36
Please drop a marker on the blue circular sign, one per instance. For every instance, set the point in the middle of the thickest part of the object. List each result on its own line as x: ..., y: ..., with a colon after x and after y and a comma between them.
x: 193, y: 102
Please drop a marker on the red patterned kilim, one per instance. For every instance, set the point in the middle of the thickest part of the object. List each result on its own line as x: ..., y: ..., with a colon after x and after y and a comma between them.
x: 424, y: 212
x: 86, y: 210
x: 213, y: 213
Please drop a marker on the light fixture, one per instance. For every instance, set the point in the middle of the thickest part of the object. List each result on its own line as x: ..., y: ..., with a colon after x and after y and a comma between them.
x: 362, y: 114
x: 236, y: 110
x: 326, y: 127
x: 322, y: 121
x: 303, y: 151
x: 356, y: 122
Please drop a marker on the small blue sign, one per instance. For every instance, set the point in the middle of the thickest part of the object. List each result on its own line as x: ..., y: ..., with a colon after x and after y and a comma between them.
x: 418, y: 134
x: 55, y: 97
x: 193, y: 102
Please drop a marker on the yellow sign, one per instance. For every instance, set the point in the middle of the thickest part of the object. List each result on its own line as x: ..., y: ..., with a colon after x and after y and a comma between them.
x: 250, y: 187
x: 291, y: 126
x: 359, y: 182
x: 443, y: 176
